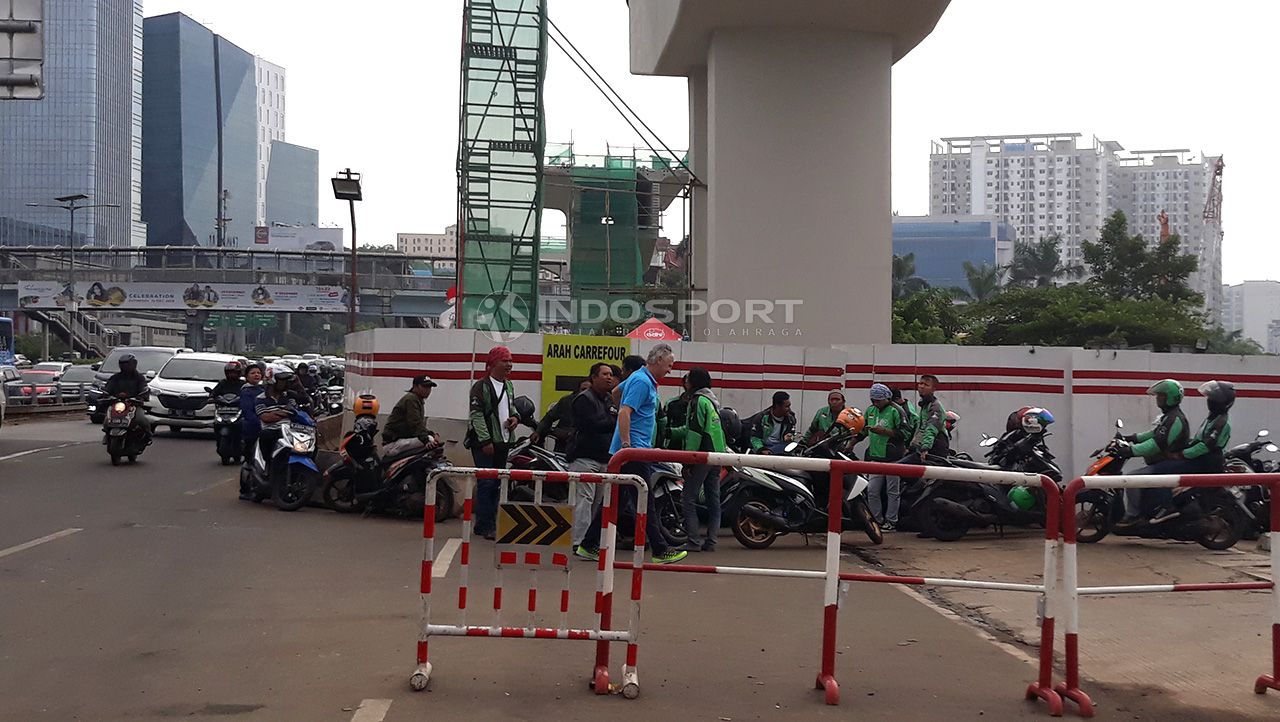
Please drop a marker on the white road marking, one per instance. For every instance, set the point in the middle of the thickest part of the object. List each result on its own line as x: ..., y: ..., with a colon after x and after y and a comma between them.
x: 371, y: 710
x: 441, y: 566
x: 210, y: 487
x: 37, y: 542
x: 37, y: 451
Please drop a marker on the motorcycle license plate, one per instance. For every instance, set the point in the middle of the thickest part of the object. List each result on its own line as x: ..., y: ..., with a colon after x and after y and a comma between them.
x: 117, y: 432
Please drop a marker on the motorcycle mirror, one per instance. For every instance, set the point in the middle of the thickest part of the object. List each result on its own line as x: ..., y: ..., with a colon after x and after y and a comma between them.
x: 1119, y: 423
x: 150, y: 375
x: 1263, y: 434
x: 989, y: 441
x: 790, y: 447
x: 1272, y: 447
x: 208, y: 389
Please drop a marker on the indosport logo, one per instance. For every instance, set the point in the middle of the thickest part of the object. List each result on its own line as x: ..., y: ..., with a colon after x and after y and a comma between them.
x: 503, y: 316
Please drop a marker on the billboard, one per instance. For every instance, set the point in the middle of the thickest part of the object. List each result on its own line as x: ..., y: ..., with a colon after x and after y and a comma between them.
x: 567, y: 361
x: 124, y: 296
x: 294, y: 238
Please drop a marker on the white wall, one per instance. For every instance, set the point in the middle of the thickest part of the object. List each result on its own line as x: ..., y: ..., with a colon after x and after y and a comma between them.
x: 1086, y: 390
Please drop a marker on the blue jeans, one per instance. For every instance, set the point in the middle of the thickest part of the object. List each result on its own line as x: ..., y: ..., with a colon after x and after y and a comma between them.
x: 487, y: 490
x: 1133, y: 497
x: 627, y: 506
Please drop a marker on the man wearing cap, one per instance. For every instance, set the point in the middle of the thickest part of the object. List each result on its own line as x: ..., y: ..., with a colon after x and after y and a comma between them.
x: 491, y: 433
x: 408, y: 418
x: 826, y: 416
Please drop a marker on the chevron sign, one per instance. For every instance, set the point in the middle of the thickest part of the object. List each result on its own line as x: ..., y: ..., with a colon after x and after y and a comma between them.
x: 537, y: 524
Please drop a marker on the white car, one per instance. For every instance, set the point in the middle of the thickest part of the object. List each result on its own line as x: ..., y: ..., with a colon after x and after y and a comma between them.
x: 179, y: 393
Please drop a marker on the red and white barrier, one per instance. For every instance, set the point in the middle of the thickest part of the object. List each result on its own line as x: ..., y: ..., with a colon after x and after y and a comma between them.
x: 831, y: 575
x: 1072, y: 591
x: 506, y: 557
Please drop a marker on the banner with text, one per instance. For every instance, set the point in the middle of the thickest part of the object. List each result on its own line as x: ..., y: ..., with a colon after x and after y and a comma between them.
x: 567, y: 361
x: 109, y: 296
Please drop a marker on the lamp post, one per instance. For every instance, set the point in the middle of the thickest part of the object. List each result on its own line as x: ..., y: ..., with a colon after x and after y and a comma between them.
x: 72, y: 203
x: 346, y: 187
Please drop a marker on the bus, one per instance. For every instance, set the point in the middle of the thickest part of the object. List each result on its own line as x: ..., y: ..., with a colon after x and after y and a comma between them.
x: 6, y: 341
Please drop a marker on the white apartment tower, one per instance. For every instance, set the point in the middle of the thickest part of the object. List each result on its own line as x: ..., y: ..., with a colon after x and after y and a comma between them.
x: 270, y: 106
x: 1042, y: 184
x: 431, y: 245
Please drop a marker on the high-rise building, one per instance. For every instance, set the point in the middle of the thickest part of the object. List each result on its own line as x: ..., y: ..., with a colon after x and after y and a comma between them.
x: 1045, y: 184
x: 434, y: 245
x: 293, y: 185
x: 1253, y: 309
x: 84, y: 136
x: 200, y: 134
x: 942, y: 244
x: 270, y: 100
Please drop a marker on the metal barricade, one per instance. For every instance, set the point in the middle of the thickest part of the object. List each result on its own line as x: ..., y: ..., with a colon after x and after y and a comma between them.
x: 831, y: 575
x: 504, y: 555
x: 1072, y: 591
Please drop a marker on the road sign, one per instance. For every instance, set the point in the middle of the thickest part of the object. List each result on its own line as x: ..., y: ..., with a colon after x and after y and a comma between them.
x: 544, y: 525
x: 243, y: 320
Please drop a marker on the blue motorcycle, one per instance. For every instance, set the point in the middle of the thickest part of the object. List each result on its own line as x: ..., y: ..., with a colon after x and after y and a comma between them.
x: 288, y: 474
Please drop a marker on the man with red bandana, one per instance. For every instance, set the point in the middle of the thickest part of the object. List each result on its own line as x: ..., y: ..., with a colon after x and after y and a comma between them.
x: 491, y: 433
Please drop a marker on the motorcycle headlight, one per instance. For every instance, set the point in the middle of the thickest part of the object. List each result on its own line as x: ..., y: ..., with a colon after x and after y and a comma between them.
x: 119, y: 407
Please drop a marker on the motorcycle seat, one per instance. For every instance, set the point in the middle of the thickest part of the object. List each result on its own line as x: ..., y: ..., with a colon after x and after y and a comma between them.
x: 963, y: 464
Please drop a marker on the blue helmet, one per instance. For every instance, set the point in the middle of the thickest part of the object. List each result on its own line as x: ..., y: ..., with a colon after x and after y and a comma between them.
x: 1035, y: 420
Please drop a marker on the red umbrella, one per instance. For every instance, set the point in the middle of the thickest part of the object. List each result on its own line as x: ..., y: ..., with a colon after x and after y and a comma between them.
x: 654, y: 330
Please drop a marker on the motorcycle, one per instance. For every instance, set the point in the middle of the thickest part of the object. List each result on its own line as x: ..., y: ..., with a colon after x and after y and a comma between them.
x: 1213, y: 517
x: 1257, y: 499
x: 226, y: 428
x: 772, y: 503
x: 329, y: 400
x: 123, y: 436
x: 287, y: 473
x: 393, y: 482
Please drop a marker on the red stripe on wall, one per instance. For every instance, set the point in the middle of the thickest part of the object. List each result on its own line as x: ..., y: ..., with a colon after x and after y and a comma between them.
x: 945, y: 371
x: 1142, y: 390
x: 1153, y: 376
x: 980, y: 386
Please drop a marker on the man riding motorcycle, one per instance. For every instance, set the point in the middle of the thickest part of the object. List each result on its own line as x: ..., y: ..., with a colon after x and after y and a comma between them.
x: 127, y: 383
x: 277, y: 402
x: 232, y: 382
x: 1162, y: 446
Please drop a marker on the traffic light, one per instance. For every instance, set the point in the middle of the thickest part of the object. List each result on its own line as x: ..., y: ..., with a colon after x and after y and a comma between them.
x: 21, y: 49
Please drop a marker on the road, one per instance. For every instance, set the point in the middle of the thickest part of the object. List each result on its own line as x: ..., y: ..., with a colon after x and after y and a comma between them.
x: 150, y: 592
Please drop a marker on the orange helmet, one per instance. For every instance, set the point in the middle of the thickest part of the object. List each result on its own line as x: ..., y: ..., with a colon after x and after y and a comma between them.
x: 852, y: 419
x: 365, y: 405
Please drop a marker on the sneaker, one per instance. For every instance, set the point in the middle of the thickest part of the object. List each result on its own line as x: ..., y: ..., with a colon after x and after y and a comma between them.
x: 583, y: 552
x: 692, y: 547
x: 888, y: 526
x: 708, y: 547
x: 671, y: 557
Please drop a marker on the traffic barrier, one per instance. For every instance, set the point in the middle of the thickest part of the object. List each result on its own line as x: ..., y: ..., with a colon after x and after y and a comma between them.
x: 535, y: 524
x: 1042, y: 688
x: 1072, y: 591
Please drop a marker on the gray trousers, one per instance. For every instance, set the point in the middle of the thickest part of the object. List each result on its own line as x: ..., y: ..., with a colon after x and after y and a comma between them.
x: 891, y: 486
x: 699, y: 477
x: 588, y: 499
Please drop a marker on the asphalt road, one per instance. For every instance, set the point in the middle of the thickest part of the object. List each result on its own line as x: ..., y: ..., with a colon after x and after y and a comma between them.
x: 150, y: 592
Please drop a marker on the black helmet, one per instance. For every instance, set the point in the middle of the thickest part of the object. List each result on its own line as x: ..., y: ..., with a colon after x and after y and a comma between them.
x: 524, y: 409
x: 1219, y: 395
x: 730, y: 424
x: 232, y: 368
x: 128, y: 359
x: 282, y: 376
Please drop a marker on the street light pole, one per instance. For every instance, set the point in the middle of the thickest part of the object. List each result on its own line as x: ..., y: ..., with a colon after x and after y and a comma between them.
x: 346, y: 187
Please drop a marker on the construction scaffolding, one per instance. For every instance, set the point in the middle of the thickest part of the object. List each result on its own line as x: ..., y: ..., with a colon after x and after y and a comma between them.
x: 500, y: 155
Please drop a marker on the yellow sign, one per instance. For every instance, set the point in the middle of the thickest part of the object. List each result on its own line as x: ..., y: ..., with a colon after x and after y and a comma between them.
x: 545, y: 525
x: 567, y: 361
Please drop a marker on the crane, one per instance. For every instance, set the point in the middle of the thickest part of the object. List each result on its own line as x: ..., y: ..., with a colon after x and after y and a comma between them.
x: 1213, y: 206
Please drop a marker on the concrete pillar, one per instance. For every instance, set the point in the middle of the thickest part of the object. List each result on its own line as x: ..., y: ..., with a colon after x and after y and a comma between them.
x: 795, y: 152
x: 700, y: 275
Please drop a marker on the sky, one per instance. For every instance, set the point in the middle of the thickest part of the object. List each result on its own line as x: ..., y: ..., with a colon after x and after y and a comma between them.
x: 374, y: 86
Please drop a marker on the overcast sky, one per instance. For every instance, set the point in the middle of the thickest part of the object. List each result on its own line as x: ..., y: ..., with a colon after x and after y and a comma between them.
x: 374, y: 86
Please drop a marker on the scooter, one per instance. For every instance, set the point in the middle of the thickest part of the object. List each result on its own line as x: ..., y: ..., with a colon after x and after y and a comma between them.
x: 773, y: 503
x: 226, y: 428
x: 288, y: 473
x: 122, y: 434
x: 1241, y: 459
x: 1213, y: 517
x: 396, y: 482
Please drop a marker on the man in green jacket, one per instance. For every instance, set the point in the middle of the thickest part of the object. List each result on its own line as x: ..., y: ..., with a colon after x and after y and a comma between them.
x: 883, y: 428
x: 826, y: 416
x: 1160, y: 447
x: 702, y: 432
x: 773, y: 427
x: 491, y: 433
x: 408, y: 417
x: 931, y: 437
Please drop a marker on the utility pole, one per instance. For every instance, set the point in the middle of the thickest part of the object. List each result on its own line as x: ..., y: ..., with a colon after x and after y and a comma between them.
x: 346, y: 187
x: 72, y: 203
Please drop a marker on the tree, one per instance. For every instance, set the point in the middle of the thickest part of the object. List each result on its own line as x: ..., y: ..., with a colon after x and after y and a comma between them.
x: 1039, y: 263
x: 984, y: 282
x: 905, y: 280
x: 928, y: 316
x: 1233, y: 343
x: 379, y: 247
x: 1124, y: 267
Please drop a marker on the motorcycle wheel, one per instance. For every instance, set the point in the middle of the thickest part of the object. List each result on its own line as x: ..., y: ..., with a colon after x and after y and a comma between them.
x: 338, y: 495
x: 1093, y: 519
x: 941, y: 525
x: 444, y: 500
x: 750, y: 533
x: 293, y: 491
x: 115, y: 459
x: 671, y: 519
x: 862, y: 513
x: 1220, y: 528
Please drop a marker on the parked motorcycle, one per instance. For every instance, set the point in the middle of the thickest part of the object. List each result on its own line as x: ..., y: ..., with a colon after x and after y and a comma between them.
x: 287, y: 473
x: 1213, y: 517
x: 123, y: 436
x: 1241, y: 459
x: 772, y: 503
x: 226, y: 428
x: 364, y: 480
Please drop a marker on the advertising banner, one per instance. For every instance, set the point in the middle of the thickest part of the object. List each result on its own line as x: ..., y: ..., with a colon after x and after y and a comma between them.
x: 567, y: 361
x: 124, y: 296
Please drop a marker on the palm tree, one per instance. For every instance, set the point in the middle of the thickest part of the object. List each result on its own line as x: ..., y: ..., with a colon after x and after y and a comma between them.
x: 984, y: 282
x: 905, y: 280
x: 1038, y: 263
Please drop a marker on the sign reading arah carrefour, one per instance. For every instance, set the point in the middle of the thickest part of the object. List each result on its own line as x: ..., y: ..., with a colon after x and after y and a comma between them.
x: 109, y: 295
x: 567, y: 360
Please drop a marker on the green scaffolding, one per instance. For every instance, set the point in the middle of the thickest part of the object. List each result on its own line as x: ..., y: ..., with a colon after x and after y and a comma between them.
x: 500, y: 155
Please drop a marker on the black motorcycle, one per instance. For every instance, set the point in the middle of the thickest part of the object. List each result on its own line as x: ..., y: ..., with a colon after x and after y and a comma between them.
x: 226, y: 428
x: 364, y: 480
x: 1242, y: 459
x: 123, y: 435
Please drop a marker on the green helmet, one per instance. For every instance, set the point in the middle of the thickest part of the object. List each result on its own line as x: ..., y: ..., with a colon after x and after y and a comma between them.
x: 1021, y: 498
x: 1170, y: 389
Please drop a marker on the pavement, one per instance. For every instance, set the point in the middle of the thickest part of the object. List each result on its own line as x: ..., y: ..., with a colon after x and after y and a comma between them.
x: 149, y: 592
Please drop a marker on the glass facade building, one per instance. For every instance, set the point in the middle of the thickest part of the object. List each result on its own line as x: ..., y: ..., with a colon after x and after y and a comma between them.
x: 199, y: 135
x: 293, y: 185
x: 942, y: 244
x: 84, y: 136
